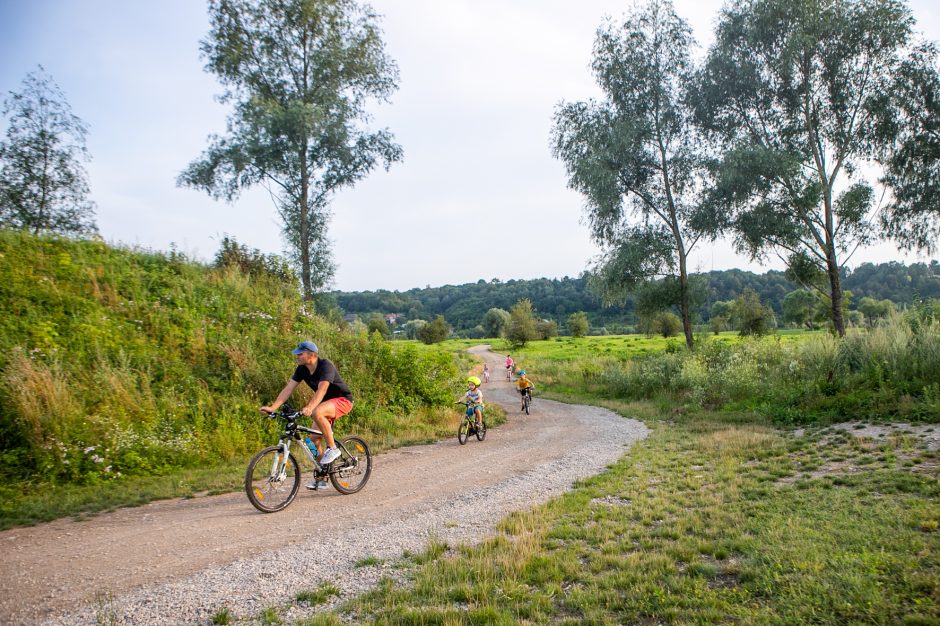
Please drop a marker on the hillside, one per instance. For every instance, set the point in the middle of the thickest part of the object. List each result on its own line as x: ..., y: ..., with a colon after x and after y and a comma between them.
x: 126, y: 362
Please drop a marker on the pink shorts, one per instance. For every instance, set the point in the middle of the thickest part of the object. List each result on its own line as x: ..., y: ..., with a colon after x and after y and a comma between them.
x: 342, y: 407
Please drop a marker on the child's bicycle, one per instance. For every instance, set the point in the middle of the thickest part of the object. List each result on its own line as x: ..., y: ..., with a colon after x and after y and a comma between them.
x: 273, y: 476
x: 526, y: 400
x: 468, y: 426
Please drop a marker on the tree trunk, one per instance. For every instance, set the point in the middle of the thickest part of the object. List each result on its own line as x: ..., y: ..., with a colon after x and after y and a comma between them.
x: 836, y: 286
x: 304, y: 235
x: 684, y: 300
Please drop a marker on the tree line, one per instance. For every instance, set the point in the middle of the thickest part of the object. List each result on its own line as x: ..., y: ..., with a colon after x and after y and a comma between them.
x: 466, y: 306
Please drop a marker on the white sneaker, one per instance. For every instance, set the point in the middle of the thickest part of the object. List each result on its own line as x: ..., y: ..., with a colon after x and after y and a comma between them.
x: 329, y: 455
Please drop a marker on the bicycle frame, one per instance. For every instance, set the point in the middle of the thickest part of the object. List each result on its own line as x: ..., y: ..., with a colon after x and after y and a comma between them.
x: 293, y: 428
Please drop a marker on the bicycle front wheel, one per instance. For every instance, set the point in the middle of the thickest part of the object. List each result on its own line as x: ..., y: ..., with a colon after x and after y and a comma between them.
x: 271, y: 482
x: 481, y: 431
x: 350, y: 472
x: 526, y: 403
x: 463, y: 433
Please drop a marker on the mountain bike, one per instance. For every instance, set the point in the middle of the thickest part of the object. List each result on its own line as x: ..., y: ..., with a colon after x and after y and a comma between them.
x: 526, y: 400
x: 273, y: 476
x: 469, y: 427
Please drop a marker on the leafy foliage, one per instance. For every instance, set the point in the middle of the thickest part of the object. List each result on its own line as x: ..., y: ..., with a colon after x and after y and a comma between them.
x: 252, y: 262
x: 751, y: 317
x: 578, y: 324
x: 495, y: 322
x: 435, y: 331
x: 463, y: 306
x: 43, y: 184
x: 910, y: 124
x: 522, y: 325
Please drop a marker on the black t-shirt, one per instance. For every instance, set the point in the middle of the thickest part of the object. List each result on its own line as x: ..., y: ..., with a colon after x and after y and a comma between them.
x: 324, y: 371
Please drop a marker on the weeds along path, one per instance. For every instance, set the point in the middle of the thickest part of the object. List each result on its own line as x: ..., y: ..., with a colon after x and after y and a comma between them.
x: 181, y: 561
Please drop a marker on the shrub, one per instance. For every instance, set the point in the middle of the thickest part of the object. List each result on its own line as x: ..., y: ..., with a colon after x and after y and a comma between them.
x: 578, y: 324
x: 435, y: 331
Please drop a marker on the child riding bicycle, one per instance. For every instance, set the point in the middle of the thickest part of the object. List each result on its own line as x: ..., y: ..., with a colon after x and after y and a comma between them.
x: 525, y: 387
x: 474, y: 399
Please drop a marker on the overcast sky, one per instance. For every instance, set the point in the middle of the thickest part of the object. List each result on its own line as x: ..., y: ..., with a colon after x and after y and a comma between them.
x: 478, y: 194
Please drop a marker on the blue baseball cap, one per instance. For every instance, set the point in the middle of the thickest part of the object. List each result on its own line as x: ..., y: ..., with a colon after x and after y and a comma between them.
x: 305, y: 346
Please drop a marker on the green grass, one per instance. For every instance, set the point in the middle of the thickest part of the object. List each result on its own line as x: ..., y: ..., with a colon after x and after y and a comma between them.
x: 222, y: 616
x: 319, y: 595
x: 627, y: 347
x: 709, y: 521
x: 889, y: 371
x: 30, y: 503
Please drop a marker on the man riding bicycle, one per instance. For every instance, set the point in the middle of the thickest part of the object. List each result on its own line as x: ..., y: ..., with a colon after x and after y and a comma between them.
x: 331, y: 399
x: 525, y: 387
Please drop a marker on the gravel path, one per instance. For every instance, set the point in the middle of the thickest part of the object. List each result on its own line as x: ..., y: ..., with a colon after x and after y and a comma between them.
x: 181, y: 561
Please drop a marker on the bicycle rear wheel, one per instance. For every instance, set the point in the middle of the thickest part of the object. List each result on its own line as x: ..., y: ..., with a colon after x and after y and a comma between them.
x: 270, y: 482
x: 481, y: 431
x: 463, y: 433
x: 350, y: 472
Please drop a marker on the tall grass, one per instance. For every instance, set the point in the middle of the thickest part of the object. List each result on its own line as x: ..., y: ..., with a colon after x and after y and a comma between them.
x: 890, y: 371
x: 126, y: 362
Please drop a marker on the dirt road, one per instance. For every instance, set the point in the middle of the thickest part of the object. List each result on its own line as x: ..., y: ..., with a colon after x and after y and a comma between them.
x: 50, y: 572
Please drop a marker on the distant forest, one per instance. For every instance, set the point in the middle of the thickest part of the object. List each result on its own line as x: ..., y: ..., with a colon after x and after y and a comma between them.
x: 463, y: 306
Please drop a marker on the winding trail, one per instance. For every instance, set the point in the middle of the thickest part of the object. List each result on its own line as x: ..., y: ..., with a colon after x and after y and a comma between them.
x: 180, y: 561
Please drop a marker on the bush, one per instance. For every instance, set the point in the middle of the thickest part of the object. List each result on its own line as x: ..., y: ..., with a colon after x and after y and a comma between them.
x: 578, y: 324
x: 435, y: 331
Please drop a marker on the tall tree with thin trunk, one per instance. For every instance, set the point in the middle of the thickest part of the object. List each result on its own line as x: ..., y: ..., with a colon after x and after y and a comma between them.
x: 43, y: 183
x: 635, y: 155
x: 797, y: 92
x: 299, y: 74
